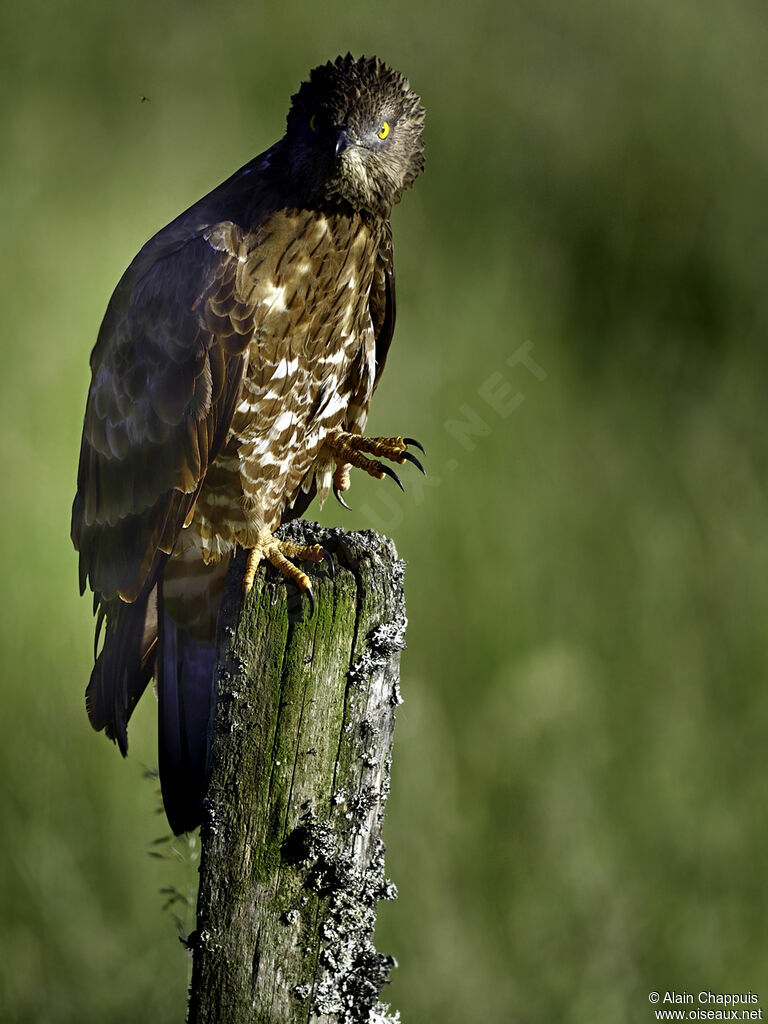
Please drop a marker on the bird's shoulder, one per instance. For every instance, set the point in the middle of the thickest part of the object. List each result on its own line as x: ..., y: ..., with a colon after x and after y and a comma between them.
x: 245, y: 196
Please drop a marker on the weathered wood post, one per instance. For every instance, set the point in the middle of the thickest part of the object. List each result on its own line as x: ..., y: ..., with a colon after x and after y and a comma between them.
x: 292, y: 858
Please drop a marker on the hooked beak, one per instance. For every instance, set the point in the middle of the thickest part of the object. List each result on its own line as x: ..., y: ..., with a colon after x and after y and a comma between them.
x: 343, y: 141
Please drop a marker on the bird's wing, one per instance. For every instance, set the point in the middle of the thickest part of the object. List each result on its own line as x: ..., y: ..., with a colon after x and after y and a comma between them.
x: 166, y: 372
x: 382, y: 301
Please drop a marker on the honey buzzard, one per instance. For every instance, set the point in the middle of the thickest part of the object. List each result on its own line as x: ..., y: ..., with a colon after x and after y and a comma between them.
x: 231, y: 381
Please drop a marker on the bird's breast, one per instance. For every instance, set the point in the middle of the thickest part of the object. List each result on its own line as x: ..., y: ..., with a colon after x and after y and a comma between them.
x: 306, y: 279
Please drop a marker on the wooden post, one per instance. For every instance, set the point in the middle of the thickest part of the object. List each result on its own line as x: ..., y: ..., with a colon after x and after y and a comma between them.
x: 292, y: 858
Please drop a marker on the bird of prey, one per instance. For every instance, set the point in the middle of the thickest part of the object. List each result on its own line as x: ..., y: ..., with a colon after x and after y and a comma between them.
x: 231, y: 381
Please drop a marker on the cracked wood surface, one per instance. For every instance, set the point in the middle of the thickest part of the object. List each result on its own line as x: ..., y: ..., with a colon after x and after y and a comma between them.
x: 293, y: 862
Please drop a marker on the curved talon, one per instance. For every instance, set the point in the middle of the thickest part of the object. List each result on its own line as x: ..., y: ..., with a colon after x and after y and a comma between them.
x: 311, y: 598
x: 390, y: 472
x: 414, y: 443
x: 412, y: 459
x: 340, y: 499
x: 329, y: 559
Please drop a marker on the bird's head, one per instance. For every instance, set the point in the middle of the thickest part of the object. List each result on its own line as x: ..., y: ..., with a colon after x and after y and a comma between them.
x: 355, y: 135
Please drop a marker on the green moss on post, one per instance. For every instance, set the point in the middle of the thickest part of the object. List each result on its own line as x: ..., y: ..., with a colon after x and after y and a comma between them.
x: 293, y: 863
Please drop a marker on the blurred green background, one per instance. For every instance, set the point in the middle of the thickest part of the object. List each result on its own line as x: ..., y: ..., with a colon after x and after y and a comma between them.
x: 578, y: 811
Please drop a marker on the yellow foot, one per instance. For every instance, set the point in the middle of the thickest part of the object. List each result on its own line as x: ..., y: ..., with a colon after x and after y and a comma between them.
x: 278, y: 553
x: 354, y: 449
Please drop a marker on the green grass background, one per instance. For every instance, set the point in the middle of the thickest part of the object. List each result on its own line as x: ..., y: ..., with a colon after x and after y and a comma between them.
x: 578, y: 811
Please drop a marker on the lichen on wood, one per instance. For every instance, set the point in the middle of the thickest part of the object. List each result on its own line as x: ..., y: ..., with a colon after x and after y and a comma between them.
x: 293, y: 861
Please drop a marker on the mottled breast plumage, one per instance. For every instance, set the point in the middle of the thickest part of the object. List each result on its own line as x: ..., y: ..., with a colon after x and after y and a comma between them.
x: 306, y: 279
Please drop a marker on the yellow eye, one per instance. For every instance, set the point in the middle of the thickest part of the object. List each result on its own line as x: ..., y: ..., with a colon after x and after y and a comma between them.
x: 313, y: 123
x: 384, y: 130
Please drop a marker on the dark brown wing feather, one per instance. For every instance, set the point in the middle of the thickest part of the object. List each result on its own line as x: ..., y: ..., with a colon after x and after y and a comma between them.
x: 166, y: 372
x: 382, y: 302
